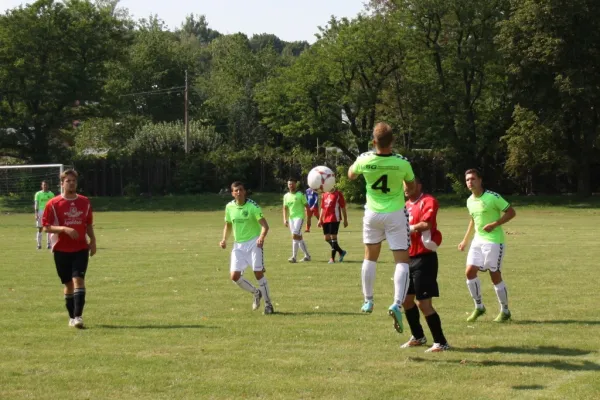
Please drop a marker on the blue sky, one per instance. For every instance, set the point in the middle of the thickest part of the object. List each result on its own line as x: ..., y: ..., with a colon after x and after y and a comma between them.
x: 288, y: 19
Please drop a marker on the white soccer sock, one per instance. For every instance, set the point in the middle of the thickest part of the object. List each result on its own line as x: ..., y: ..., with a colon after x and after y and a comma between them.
x: 303, y: 247
x: 474, y: 286
x: 502, y: 295
x: 245, y: 285
x: 295, y: 247
x: 39, y: 238
x: 263, y: 286
x: 401, y: 280
x: 48, y: 238
x: 368, y: 278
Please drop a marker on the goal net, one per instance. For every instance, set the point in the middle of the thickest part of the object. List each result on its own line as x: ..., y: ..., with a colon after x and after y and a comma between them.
x: 19, y: 183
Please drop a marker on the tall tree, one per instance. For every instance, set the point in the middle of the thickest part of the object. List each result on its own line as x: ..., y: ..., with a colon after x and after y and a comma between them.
x: 53, y: 59
x: 553, y: 51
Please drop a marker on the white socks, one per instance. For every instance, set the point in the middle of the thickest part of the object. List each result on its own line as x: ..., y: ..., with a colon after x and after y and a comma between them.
x: 245, y: 285
x: 401, y: 280
x: 263, y: 286
x: 474, y: 286
x: 502, y: 295
x: 299, y: 244
x: 39, y: 239
x: 368, y: 278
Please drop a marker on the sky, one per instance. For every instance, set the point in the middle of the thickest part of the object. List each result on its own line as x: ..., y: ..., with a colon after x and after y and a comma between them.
x: 290, y: 20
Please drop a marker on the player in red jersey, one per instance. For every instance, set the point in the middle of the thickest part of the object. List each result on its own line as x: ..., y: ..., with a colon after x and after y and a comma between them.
x: 69, y: 218
x: 424, y: 241
x: 333, y: 211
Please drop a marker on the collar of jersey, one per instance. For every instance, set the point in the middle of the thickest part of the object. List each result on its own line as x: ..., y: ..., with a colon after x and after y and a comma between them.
x: 384, y: 155
x: 418, y: 198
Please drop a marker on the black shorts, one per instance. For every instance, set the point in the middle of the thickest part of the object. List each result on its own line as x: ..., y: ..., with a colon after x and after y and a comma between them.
x: 71, y: 265
x: 423, y: 276
x: 331, y: 228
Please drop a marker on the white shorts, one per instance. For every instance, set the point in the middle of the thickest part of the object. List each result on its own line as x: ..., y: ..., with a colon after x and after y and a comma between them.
x: 38, y: 222
x: 296, y: 226
x: 392, y: 227
x: 246, y: 254
x: 486, y: 255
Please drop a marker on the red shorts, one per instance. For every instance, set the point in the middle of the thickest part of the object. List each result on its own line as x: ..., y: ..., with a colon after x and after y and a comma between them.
x: 313, y: 212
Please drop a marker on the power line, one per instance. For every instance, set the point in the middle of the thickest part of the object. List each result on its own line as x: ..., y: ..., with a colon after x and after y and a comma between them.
x: 160, y: 91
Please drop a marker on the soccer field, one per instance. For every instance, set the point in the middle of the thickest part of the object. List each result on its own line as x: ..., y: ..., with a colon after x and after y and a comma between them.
x: 165, y: 322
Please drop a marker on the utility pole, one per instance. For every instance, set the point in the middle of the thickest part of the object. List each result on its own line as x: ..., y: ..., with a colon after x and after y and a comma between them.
x: 186, y: 120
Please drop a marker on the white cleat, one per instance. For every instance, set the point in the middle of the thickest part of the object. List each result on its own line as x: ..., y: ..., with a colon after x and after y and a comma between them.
x: 256, y: 302
x: 306, y: 258
x: 292, y: 260
x: 413, y: 342
x: 438, y: 348
x: 71, y: 322
x: 78, y: 322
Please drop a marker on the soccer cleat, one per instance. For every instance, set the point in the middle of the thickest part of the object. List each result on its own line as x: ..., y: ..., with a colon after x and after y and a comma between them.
x: 256, y: 302
x: 396, y: 314
x: 438, y: 348
x: 49, y: 247
x: 269, y: 309
x: 478, y: 312
x: 344, y: 252
x: 412, y: 342
x: 331, y: 261
x: 71, y: 322
x: 307, y: 230
x: 78, y: 322
x: 39, y: 247
x: 503, y: 317
x: 292, y: 260
x: 367, y: 307
x: 306, y: 258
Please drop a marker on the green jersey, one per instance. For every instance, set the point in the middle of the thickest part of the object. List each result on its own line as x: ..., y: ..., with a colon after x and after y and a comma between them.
x: 42, y: 199
x: 296, y: 203
x: 484, y: 210
x: 244, y: 219
x: 385, y: 175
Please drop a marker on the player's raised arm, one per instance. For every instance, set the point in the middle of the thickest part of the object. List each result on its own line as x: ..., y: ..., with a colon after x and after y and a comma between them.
x: 226, y: 233
x: 509, y: 214
x: 352, y: 174
x: 461, y: 245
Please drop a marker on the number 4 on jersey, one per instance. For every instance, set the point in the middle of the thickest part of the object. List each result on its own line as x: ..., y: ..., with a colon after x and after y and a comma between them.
x: 381, y: 184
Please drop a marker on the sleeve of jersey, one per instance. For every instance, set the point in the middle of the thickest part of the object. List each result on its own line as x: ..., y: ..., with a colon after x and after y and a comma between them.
x: 356, y: 168
x: 36, y: 197
x: 502, y: 204
x: 304, y: 201
x: 90, y: 216
x: 227, y: 216
x: 430, y: 208
x: 342, y: 201
x: 48, y: 215
x: 410, y: 175
x: 258, y: 213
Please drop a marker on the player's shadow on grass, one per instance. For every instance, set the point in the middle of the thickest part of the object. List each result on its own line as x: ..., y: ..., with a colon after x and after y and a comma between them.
x: 316, y: 312
x: 555, y: 364
x: 156, y: 327
x: 557, y: 322
x: 544, y: 350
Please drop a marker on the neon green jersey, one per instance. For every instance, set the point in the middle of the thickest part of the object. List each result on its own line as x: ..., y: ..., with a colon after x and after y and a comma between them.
x: 484, y: 210
x: 244, y: 220
x: 42, y: 199
x: 296, y: 203
x: 385, y: 175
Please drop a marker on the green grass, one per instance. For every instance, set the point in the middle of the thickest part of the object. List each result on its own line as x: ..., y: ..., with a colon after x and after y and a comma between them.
x: 165, y: 322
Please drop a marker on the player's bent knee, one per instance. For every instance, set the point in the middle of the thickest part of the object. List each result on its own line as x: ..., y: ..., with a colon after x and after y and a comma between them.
x: 426, y: 306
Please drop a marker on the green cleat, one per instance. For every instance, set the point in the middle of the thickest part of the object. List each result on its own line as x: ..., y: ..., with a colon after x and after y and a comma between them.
x: 367, y: 307
x: 396, y: 314
x: 478, y: 312
x: 502, y: 317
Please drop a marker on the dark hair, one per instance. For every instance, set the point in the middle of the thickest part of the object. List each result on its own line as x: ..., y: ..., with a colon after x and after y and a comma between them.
x: 292, y: 179
x: 68, y: 172
x: 383, y: 135
x: 473, y: 171
x: 237, y: 184
x: 46, y: 182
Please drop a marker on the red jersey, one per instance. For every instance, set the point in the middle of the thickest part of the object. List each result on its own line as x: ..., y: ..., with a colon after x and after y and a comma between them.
x: 76, y: 214
x: 331, y: 206
x: 424, y: 209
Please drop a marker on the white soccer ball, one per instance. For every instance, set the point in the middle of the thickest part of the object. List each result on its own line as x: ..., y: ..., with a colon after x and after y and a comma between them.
x: 321, y: 179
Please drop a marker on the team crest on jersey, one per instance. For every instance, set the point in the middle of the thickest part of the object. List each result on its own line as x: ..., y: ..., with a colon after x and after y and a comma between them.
x: 245, y: 213
x: 73, y: 212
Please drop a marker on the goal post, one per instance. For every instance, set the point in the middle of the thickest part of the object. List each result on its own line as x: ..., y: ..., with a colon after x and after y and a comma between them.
x: 19, y: 183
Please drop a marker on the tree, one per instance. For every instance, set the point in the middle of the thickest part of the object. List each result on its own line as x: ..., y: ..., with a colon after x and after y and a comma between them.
x: 53, y: 60
x: 552, y: 48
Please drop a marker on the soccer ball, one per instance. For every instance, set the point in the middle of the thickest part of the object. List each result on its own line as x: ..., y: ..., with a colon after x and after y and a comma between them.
x: 321, y: 179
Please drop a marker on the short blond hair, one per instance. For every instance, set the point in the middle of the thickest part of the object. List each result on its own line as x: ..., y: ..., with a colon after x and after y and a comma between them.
x: 68, y: 172
x: 383, y: 135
